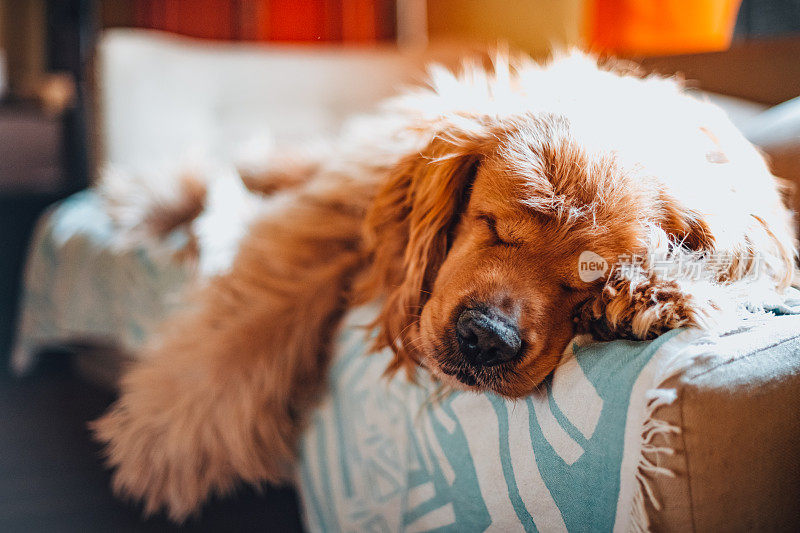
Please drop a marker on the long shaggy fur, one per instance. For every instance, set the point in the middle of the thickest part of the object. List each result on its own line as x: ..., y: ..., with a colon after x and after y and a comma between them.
x: 482, y: 188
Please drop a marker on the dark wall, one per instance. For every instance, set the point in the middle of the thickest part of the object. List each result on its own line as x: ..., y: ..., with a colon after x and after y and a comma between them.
x: 71, y: 30
x: 768, y: 18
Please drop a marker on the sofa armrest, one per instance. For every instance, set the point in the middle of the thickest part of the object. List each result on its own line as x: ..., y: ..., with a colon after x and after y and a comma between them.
x: 776, y: 132
x: 736, y: 464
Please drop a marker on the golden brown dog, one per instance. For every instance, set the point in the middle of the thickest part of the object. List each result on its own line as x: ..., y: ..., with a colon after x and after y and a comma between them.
x: 464, y: 209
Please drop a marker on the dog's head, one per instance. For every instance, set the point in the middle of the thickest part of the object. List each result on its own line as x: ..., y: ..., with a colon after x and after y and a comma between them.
x: 490, y: 240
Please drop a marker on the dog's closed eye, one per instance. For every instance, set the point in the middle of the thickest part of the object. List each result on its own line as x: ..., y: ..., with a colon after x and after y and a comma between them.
x: 496, y: 238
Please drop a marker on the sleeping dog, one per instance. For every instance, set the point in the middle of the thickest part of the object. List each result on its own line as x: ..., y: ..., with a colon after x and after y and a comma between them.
x: 467, y: 209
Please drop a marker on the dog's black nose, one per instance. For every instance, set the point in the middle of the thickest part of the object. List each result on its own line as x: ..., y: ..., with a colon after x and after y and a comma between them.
x: 487, y: 338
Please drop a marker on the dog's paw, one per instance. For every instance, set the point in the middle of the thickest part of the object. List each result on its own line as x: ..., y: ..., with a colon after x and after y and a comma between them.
x: 647, y: 309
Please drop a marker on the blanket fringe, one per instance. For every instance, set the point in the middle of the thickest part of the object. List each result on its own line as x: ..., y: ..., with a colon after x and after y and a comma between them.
x: 657, y: 397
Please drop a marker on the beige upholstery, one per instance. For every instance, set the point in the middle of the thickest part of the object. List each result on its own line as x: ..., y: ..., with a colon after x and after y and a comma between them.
x: 737, y: 457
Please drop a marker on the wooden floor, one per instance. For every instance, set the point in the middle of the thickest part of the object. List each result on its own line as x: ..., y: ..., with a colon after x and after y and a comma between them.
x: 52, y: 479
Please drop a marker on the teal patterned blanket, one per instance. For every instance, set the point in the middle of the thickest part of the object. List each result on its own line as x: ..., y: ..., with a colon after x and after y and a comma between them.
x: 388, y: 455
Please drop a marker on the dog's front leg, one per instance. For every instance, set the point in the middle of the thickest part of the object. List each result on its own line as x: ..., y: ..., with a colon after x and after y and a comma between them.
x: 220, y: 395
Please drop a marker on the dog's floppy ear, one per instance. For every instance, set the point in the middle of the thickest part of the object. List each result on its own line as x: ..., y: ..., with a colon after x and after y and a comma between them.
x: 408, y: 226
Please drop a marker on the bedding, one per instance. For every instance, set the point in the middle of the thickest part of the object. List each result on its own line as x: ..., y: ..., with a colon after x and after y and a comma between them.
x: 388, y: 455
x: 79, y: 289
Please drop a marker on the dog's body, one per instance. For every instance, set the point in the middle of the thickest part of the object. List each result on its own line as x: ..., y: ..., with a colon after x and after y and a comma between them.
x: 462, y: 209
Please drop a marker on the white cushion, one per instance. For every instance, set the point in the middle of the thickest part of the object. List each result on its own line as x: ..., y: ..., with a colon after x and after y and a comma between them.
x: 161, y: 96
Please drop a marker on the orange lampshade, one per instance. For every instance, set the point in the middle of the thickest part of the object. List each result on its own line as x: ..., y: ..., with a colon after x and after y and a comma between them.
x: 656, y: 27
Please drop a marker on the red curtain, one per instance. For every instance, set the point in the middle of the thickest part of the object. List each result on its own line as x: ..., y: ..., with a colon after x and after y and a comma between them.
x: 357, y: 21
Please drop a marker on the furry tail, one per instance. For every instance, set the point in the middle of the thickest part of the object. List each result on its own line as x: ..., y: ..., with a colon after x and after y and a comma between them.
x: 147, y: 208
